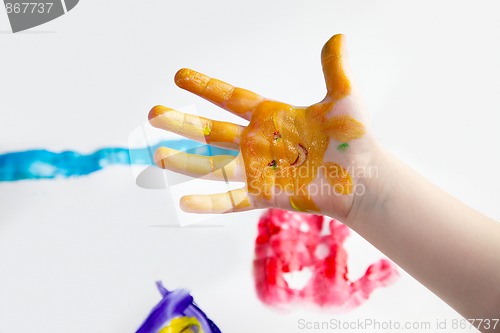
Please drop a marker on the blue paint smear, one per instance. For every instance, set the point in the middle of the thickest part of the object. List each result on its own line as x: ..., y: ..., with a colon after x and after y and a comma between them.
x: 45, y: 164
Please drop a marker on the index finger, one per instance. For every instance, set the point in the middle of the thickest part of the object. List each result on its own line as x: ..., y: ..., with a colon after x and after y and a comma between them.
x: 239, y: 101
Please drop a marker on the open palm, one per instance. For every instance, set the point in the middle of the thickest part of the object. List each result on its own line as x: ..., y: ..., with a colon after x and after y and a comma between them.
x: 301, y: 158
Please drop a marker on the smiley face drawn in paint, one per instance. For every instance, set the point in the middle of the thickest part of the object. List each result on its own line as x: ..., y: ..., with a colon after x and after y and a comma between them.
x: 285, y: 150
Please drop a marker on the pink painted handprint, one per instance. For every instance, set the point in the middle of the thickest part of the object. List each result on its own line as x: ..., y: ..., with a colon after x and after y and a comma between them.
x: 289, y: 243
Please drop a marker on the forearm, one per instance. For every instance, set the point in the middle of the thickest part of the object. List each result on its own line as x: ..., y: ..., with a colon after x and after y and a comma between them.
x: 450, y: 248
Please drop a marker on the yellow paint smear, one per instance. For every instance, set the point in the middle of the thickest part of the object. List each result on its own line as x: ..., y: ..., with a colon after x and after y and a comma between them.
x: 338, y: 177
x: 183, y: 325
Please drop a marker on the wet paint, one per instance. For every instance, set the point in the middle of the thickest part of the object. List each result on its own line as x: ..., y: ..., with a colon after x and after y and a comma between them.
x: 283, y: 147
x: 45, y: 164
x: 297, y: 264
x: 343, y: 147
x: 175, y: 313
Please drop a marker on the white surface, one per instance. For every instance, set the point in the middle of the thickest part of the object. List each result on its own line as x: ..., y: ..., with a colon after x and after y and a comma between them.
x: 82, y: 255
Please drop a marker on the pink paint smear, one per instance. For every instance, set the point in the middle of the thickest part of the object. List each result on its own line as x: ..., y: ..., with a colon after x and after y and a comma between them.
x: 296, y: 263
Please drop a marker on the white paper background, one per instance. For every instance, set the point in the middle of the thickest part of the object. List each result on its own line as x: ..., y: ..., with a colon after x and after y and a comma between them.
x: 82, y: 255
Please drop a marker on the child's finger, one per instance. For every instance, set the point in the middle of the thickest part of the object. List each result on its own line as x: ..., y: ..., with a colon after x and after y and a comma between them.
x: 334, y: 61
x: 219, y: 167
x: 217, y: 133
x: 232, y: 201
x: 233, y: 99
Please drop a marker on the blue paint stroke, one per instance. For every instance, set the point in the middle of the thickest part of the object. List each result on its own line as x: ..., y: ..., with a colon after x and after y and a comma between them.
x: 45, y: 164
x: 175, y: 304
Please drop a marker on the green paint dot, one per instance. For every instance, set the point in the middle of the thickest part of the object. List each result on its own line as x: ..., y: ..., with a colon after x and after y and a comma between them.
x: 343, y: 146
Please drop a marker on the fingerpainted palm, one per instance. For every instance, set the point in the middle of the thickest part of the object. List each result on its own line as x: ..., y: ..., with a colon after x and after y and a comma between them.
x: 290, y: 157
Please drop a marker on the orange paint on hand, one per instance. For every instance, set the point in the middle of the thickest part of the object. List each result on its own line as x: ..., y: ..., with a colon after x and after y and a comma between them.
x: 338, y: 177
x: 344, y: 128
x: 234, y: 99
x: 304, y: 203
x: 283, y: 146
x: 283, y: 149
x: 333, y: 59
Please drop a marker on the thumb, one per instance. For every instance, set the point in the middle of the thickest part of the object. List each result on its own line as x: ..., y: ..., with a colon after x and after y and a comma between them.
x: 334, y: 61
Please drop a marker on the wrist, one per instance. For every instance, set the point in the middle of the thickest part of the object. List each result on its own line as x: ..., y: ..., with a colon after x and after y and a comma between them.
x: 377, y: 183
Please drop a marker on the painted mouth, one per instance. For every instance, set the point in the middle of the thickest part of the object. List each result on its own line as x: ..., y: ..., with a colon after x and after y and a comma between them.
x: 301, y: 156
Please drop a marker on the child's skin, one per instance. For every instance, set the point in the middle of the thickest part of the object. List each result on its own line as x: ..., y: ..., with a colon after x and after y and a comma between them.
x: 326, y: 159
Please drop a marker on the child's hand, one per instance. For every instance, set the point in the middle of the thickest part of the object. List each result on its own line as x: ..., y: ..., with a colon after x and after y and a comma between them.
x: 304, y: 158
x: 321, y: 159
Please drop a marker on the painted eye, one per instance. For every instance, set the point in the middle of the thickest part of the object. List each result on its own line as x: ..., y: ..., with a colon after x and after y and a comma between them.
x: 301, y: 156
x: 273, y: 164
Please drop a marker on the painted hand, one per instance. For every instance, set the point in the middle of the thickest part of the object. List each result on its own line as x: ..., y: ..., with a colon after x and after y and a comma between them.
x: 300, y: 158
